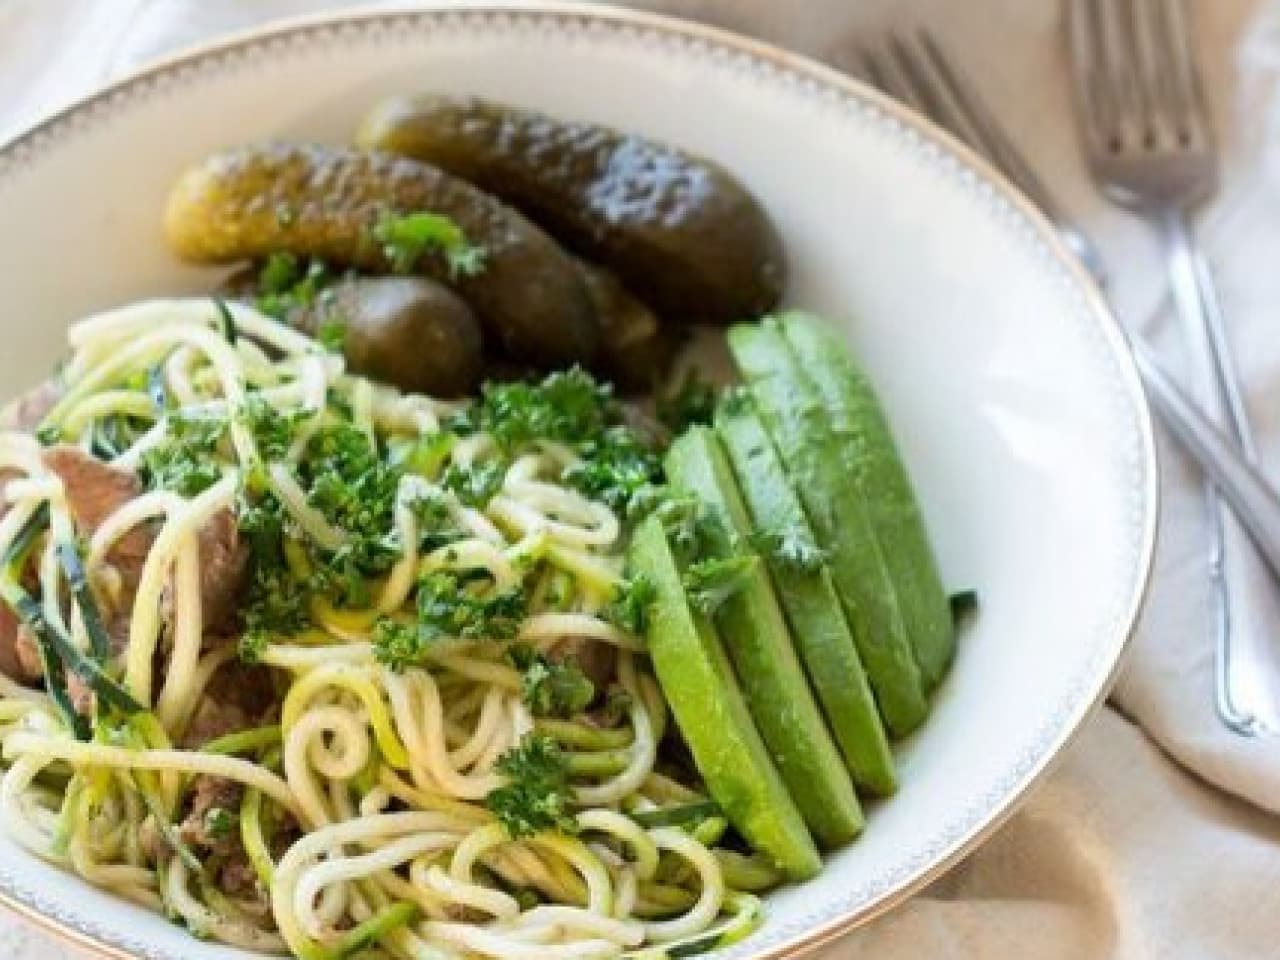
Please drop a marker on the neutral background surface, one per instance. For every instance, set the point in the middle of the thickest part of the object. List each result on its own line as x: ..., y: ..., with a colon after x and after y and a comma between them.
x: 1159, y: 834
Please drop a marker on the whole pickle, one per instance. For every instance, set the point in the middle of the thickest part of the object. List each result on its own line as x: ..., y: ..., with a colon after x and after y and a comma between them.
x: 636, y: 349
x: 680, y: 231
x: 410, y: 332
x: 325, y: 202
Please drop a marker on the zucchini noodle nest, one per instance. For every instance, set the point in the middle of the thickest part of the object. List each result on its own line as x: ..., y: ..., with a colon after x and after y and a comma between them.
x: 460, y: 750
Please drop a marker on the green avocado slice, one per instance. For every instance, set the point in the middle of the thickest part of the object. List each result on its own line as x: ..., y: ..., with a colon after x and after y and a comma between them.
x: 791, y: 409
x: 709, y: 709
x: 871, y: 458
x: 756, y: 637
x: 808, y: 596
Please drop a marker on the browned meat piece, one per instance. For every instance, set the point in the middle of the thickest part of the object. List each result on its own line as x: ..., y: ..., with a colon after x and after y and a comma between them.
x: 239, y: 696
x: 224, y: 561
x: 237, y: 879
x: 596, y: 659
x: 213, y: 805
x: 95, y: 490
x: 19, y: 658
x: 26, y: 412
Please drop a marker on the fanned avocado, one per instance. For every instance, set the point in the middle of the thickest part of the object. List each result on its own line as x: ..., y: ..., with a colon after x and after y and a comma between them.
x: 759, y: 644
x: 871, y: 457
x: 698, y: 682
x: 805, y: 589
x: 683, y: 234
x: 791, y: 408
x: 326, y: 202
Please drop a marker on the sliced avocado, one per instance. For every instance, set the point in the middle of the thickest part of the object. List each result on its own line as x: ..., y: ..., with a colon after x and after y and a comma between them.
x: 808, y: 596
x: 791, y: 410
x: 698, y: 682
x: 871, y: 458
x: 759, y: 645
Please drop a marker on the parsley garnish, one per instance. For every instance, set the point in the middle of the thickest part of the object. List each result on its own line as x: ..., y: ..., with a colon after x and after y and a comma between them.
x: 396, y: 645
x: 219, y: 822
x: 618, y: 470
x: 632, y: 598
x: 332, y: 334
x: 693, y: 402
x: 538, y: 796
x: 551, y: 688
x: 186, y: 462
x: 567, y: 407
x: 273, y: 430
x: 709, y: 583
x: 407, y: 238
x: 792, y: 546
x: 477, y: 484
x: 450, y: 606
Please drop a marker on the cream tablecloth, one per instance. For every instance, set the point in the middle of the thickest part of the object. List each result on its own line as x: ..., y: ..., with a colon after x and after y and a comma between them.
x: 1157, y: 835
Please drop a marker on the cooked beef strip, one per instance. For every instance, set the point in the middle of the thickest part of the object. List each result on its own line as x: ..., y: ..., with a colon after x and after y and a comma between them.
x: 205, y: 795
x: 594, y: 657
x: 239, y: 696
x: 224, y: 564
x: 27, y: 411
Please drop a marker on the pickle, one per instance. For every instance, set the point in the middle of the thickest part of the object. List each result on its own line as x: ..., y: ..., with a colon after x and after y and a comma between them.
x: 324, y: 202
x: 681, y: 232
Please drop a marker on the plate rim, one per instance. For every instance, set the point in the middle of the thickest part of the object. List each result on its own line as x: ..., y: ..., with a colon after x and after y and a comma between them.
x: 805, y: 67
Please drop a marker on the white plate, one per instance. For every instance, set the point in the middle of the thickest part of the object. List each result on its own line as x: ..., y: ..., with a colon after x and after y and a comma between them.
x: 1008, y: 383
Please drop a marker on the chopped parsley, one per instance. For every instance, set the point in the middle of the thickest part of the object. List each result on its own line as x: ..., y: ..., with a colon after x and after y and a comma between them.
x: 538, y: 797
x: 632, y: 598
x: 551, y: 688
x: 286, y: 284
x: 331, y: 333
x: 477, y: 484
x: 618, y: 470
x: 219, y: 822
x: 792, y: 546
x: 273, y: 430
x: 186, y: 462
x: 452, y: 606
x: 693, y: 402
x: 709, y: 583
x: 396, y: 645
x: 567, y: 407
x: 407, y: 238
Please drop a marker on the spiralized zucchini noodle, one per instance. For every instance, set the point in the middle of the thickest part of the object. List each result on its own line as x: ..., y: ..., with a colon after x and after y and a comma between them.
x: 462, y: 750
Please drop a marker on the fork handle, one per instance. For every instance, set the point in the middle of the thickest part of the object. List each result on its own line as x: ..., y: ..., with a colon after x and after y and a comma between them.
x: 1196, y: 299
x: 1242, y: 485
x: 1195, y: 295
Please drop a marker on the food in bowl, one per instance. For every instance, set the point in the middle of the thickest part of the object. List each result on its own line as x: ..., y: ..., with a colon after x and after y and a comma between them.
x: 322, y: 664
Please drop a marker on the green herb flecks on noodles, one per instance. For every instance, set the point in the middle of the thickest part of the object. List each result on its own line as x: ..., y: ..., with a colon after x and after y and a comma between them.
x: 325, y: 634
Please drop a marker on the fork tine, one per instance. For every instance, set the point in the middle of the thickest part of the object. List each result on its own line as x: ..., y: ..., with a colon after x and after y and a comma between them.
x: 884, y: 74
x: 1100, y: 83
x: 933, y: 102
x: 1184, y: 94
x: 988, y: 136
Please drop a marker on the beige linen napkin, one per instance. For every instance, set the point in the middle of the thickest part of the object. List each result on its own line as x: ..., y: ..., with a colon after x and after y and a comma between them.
x: 1157, y: 835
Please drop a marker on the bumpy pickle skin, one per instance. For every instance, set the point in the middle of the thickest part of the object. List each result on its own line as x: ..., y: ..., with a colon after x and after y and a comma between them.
x: 682, y: 233
x: 323, y: 201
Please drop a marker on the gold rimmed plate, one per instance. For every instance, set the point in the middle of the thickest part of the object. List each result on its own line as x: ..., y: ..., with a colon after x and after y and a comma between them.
x: 1008, y: 382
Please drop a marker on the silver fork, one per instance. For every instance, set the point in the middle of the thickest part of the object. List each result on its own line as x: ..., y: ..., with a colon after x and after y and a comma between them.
x: 1149, y: 141
x: 914, y: 69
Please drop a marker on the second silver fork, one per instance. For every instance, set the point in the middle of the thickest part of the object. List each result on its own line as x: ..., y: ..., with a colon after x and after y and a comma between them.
x: 914, y: 69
